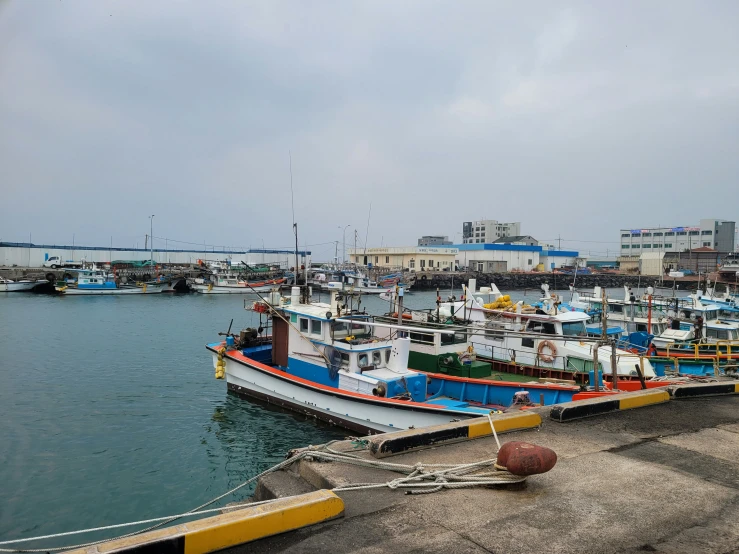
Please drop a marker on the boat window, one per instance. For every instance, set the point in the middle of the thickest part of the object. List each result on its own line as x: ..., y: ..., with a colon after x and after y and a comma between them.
x: 303, y: 324
x: 344, y: 359
x: 387, y: 356
x: 719, y: 334
x: 574, y: 329
x: 315, y: 326
x: 494, y: 333
x: 617, y: 308
x: 359, y: 329
x: 541, y: 327
x: 641, y: 327
x: 363, y: 359
x: 376, y: 358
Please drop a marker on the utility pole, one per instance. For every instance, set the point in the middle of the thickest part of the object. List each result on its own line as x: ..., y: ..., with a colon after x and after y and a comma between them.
x: 559, y: 242
x: 151, y: 230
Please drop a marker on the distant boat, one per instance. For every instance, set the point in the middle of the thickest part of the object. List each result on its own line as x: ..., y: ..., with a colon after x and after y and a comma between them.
x: 98, y: 282
x: 232, y: 284
x: 730, y: 266
x: 8, y: 285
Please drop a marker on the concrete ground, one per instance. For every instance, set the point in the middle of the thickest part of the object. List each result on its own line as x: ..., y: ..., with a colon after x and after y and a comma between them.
x: 663, y: 478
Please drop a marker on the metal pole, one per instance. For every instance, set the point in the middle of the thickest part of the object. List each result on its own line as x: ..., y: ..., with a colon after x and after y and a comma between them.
x: 596, y: 371
x: 151, y: 234
x: 614, y: 366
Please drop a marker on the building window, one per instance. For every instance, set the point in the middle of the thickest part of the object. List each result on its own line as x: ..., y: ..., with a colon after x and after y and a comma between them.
x: 431, y: 263
x: 627, y: 235
x: 670, y: 234
x: 376, y: 258
x: 315, y: 326
x: 709, y: 232
x: 635, y: 234
x: 707, y: 244
x: 657, y: 234
x: 624, y: 246
x: 531, y: 262
x: 387, y: 259
x: 694, y: 233
x: 668, y: 245
x: 634, y: 246
x: 412, y: 264
x: 647, y: 246
x: 647, y: 235
x: 681, y: 233
x: 423, y: 264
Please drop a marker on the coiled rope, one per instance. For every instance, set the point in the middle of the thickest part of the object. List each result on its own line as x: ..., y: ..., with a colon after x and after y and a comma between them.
x: 419, y: 478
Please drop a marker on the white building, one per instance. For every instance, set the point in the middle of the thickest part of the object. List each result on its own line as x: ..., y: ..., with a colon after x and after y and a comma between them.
x: 34, y: 255
x: 711, y: 233
x: 487, y: 231
x: 415, y: 258
x: 514, y: 257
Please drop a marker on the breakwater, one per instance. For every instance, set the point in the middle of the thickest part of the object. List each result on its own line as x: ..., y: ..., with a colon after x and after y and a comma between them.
x: 521, y: 281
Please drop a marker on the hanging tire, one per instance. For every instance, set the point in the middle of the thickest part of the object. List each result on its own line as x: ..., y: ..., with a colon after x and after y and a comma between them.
x: 51, y: 278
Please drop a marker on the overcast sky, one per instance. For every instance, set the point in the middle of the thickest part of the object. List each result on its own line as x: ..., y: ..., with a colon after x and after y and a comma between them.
x: 576, y: 119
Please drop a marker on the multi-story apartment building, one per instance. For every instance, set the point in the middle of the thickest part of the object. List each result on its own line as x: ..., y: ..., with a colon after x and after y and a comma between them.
x: 488, y: 231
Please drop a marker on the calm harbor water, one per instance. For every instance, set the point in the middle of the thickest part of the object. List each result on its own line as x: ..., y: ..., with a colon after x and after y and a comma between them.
x: 110, y: 412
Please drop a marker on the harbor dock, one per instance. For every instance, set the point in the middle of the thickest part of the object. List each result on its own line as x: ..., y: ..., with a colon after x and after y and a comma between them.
x: 658, y: 473
x: 662, y: 478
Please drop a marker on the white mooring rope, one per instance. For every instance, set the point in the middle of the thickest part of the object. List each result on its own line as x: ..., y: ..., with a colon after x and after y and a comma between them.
x: 417, y: 479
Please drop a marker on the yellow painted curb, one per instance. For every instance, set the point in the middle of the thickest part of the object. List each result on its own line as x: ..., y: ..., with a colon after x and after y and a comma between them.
x: 480, y: 428
x: 655, y: 397
x: 390, y: 444
x: 233, y: 528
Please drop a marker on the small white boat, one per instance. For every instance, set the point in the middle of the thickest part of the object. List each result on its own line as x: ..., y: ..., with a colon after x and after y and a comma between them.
x: 8, y: 285
x: 232, y: 284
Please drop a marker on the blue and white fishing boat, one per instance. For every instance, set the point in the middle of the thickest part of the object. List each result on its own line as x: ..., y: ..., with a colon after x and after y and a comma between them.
x: 97, y: 282
x: 324, y: 360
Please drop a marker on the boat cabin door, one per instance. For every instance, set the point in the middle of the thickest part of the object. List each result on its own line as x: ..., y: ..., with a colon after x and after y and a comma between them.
x: 280, y: 331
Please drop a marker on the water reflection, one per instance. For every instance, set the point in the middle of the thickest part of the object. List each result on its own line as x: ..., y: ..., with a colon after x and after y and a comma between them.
x: 252, y: 436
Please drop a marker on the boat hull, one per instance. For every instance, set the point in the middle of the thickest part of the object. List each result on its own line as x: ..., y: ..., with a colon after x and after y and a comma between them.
x: 148, y: 289
x: 19, y: 286
x: 348, y: 409
x: 220, y: 289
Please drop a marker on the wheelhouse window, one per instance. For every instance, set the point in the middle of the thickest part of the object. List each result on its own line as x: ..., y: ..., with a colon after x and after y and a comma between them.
x: 541, y: 327
x: 316, y: 326
x: 303, y: 324
x: 574, y: 329
x: 363, y: 359
x: 376, y: 358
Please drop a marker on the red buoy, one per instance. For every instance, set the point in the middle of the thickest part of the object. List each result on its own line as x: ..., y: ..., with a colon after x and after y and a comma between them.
x: 523, y: 458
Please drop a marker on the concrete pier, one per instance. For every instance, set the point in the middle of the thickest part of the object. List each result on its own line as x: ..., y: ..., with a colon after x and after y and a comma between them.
x: 660, y: 478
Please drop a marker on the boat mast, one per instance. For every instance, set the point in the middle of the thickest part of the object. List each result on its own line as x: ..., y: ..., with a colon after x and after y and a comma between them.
x: 295, y: 225
x: 151, y: 236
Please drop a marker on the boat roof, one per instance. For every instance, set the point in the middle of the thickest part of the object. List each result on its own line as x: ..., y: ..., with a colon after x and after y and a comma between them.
x: 318, y: 310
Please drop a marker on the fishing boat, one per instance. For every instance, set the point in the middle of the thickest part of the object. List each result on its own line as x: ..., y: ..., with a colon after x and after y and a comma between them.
x: 8, y: 285
x: 730, y: 266
x: 327, y: 361
x: 98, y: 282
x: 355, y: 281
x: 229, y: 283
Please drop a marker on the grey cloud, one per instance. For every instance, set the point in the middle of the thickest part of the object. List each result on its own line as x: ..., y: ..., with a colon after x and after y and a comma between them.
x: 575, y: 119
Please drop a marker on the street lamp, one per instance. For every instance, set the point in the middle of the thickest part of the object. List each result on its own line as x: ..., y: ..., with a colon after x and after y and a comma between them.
x: 151, y: 237
x: 343, y: 244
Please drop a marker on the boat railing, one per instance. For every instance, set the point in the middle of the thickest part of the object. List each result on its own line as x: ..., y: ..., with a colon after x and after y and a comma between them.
x: 721, y: 349
x: 555, y: 362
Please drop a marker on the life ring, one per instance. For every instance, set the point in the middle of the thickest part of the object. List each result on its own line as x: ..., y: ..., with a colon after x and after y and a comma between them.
x: 547, y: 358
